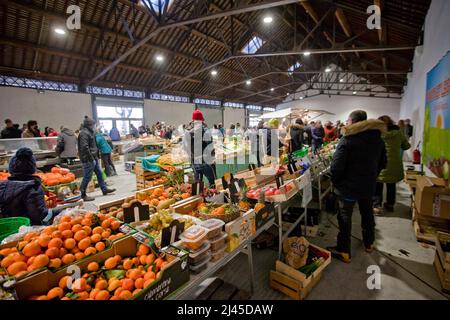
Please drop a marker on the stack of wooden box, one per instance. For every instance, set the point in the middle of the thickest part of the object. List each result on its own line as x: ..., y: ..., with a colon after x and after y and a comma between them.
x: 144, y: 179
x: 442, y: 260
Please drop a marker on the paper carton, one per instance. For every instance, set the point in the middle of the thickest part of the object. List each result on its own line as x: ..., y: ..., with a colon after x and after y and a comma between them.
x: 432, y: 197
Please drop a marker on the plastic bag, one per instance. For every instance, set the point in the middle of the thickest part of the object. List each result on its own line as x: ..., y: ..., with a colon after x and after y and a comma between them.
x: 71, y: 212
x: 23, y: 230
x: 296, y: 251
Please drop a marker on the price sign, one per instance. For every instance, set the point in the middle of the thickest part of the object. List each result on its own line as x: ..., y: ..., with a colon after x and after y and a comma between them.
x: 172, y: 233
x: 136, y: 212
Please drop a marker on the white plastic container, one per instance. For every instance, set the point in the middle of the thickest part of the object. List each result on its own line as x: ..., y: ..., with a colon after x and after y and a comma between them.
x: 202, y: 265
x: 215, y: 256
x: 194, y: 237
x: 196, y: 257
x: 219, y: 242
x: 214, y: 227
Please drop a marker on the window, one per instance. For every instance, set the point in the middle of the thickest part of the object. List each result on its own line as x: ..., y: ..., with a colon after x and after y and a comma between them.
x: 37, y: 84
x: 233, y: 105
x: 157, y: 6
x: 294, y: 67
x: 167, y: 97
x: 253, y: 120
x: 253, y: 45
x: 119, y: 113
x: 268, y: 109
x: 207, y: 102
x: 114, y: 92
x: 254, y: 108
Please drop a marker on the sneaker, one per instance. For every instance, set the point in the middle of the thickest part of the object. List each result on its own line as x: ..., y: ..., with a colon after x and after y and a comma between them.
x: 343, y: 256
x: 369, y: 248
x: 108, y: 191
x: 86, y: 198
x: 388, y: 207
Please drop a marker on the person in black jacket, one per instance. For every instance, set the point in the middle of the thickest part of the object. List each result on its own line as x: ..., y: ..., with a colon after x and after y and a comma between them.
x: 295, y: 136
x: 88, y: 153
x: 22, y: 194
x: 11, y: 130
x: 359, y: 158
x: 198, y: 143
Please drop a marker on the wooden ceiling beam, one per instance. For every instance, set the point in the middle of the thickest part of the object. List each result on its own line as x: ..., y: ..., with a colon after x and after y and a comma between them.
x: 60, y: 18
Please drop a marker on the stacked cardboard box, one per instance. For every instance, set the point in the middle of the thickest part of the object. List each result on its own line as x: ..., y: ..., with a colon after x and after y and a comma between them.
x: 431, y: 208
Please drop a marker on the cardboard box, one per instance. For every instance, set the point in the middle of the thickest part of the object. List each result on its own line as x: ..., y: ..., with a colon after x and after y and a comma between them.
x: 174, y: 276
x: 432, y: 197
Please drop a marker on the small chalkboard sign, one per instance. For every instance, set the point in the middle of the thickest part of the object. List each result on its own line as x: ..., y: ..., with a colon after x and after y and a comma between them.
x: 292, y: 166
x: 172, y: 233
x: 226, y: 180
x: 251, y: 166
x: 279, y: 181
x: 136, y: 212
x: 198, y: 187
x: 235, y: 187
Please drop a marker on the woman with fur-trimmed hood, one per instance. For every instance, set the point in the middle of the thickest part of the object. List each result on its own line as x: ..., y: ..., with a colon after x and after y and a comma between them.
x: 359, y: 158
x: 294, y: 137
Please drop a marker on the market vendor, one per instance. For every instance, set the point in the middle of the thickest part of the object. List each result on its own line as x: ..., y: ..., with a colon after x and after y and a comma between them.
x: 22, y: 194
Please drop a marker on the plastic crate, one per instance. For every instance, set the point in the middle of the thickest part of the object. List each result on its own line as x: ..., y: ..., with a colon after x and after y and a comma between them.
x: 9, y: 226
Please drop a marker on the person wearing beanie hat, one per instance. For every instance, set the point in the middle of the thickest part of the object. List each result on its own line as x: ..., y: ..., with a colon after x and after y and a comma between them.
x: 198, y: 143
x: 197, y: 115
x: 88, y: 152
x: 22, y: 194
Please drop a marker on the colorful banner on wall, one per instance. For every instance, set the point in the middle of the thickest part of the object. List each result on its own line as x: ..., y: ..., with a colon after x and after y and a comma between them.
x: 436, y: 147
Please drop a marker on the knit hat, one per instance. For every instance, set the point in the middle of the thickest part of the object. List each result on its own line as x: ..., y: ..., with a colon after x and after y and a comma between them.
x: 197, y: 115
x: 22, y: 163
x: 88, y: 122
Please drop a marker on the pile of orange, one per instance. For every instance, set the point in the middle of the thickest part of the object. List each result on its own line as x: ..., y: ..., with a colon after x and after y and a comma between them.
x: 155, y: 196
x: 139, y: 272
x: 56, y: 176
x: 61, y: 244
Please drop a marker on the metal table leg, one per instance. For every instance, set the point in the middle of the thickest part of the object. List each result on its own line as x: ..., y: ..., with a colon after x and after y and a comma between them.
x: 250, y: 266
x: 280, y: 231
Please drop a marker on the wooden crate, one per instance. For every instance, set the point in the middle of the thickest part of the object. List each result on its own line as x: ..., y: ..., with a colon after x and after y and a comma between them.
x: 426, y: 228
x: 442, y: 260
x: 443, y: 274
x: 411, y: 177
x: 294, y: 283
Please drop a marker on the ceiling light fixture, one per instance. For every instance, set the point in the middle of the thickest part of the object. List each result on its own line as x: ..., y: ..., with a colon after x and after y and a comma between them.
x: 342, y: 80
x: 287, y: 94
x: 268, y: 19
x: 214, y: 72
x: 272, y: 89
x: 159, y: 58
x: 354, y: 92
x: 328, y: 70
x: 60, y: 31
x: 307, y: 53
x: 248, y: 82
x: 301, y: 98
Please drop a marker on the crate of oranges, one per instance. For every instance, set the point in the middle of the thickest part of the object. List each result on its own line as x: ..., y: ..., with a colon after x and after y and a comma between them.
x: 130, y: 271
x: 69, y: 240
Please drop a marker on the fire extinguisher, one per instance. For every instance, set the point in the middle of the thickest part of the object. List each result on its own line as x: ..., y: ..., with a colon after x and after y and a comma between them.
x: 416, y: 155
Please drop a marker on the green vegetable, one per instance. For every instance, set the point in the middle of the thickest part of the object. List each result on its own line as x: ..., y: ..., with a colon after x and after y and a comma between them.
x: 310, y: 268
x: 118, y: 274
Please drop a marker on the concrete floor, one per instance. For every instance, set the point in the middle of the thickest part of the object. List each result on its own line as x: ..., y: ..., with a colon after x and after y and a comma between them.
x: 407, y: 275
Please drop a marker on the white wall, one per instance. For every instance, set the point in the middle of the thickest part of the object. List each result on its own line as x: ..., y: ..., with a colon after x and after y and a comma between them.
x: 51, y: 108
x: 436, y: 45
x: 341, y: 106
x: 173, y: 113
x: 233, y: 116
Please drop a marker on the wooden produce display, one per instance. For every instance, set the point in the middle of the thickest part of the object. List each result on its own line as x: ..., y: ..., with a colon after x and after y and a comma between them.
x: 294, y: 283
x: 442, y: 259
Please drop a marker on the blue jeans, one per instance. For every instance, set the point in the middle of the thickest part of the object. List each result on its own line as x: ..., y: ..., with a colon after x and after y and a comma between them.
x: 88, y: 168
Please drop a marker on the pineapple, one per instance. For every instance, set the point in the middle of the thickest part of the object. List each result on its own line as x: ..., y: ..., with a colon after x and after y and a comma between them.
x: 261, y: 202
x: 244, y: 205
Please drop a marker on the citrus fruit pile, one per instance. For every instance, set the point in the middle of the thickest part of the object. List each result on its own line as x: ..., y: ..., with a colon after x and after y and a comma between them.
x: 72, y: 239
x: 116, y: 279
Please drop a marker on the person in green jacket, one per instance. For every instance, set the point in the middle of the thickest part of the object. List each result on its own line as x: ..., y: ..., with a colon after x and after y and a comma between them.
x: 105, y: 153
x: 396, y: 142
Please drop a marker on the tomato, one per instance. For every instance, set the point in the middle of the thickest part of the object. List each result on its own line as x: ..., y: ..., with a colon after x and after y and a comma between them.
x: 277, y: 192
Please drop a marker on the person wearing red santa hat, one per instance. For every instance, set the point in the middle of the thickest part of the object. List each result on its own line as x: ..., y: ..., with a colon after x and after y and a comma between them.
x: 199, y: 145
